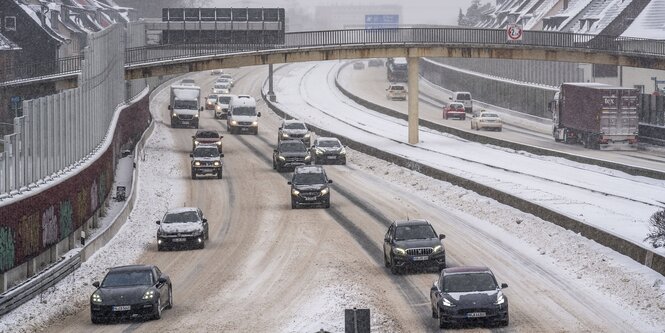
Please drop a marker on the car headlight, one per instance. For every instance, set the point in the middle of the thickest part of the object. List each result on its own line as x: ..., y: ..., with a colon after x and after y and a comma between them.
x: 343, y: 151
x: 500, y: 299
x: 216, y: 163
x: 295, y: 192
x: 281, y: 158
x: 96, y: 297
x: 255, y: 123
x: 447, y: 302
x: 324, y: 191
x: 219, y: 143
x: 399, y: 251
x: 233, y: 122
x: 318, y: 151
x: 196, y: 115
x: 437, y: 249
x: 149, y: 294
x: 196, y: 142
x: 174, y: 115
x: 197, y: 163
x: 285, y: 135
x: 218, y: 108
x: 306, y: 136
x: 308, y: 157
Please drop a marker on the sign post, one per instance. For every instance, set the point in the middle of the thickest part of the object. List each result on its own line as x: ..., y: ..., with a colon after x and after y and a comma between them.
x: 514, y: 32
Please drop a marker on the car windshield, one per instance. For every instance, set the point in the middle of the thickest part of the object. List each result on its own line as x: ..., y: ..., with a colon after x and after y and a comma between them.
x: 292, y: 146
x: 295, y: 126
x: 221, y: 86
x: 212, y: 98
x: 456, y: 106
x: 396, y: 88
x: 206, y: 152
x: 406, y: 232
x: 329, y: 143
x: 225, y: 99
x: 459, y: 283
x: 128, y: 278
x: 244, y: 111
x: 181, y: 217
x: 464, y: 97
x: 308, y: 178
x: 208, y: 134
x: 184, y: 104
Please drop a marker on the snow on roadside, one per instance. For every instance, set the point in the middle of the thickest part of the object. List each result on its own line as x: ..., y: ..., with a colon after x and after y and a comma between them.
x: 71, y: 294
x: 638, y: 288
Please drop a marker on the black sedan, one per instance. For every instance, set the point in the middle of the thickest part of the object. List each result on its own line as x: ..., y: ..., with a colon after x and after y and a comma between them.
x: 134, y: 291
x: 413, y: 244
x: 468, y: 295
x: 327, y: 150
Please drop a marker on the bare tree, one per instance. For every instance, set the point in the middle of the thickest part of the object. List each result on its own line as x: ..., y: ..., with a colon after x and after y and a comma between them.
x: 656, y: 235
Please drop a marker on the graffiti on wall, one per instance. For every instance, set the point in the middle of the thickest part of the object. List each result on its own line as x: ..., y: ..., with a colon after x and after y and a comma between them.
x: 81, y: 206
x: 29, y: 235
x: 49, y: 227
x: 65, y: 219
x: 93, y: 195
x: 6, y: 249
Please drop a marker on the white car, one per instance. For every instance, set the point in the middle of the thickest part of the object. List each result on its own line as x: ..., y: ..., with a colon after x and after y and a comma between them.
x: 227, y: 77
x: 396, y: 91
x: 221, y: 88
x: 486, y: 120
x: 222, y: 105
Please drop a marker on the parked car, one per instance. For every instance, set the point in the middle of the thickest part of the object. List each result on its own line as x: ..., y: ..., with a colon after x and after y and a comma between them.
x: 206, y: 159
x: 328, y: 150
x: 468, y: 294
x: 463, y: 97
x: 290, y: 154
x: 375, y: 62
x: 413, y: 244
x: 182, y: 227
x: 309, y: 187
x: 211, y: 100
x: 358, y: 65
x: 294, y: 129
x: 221, y: 88
x: 454, y: 110
x: 487, y: 120
x: 396, y: 91
x: 222, y: 105
x: 131, y: 291
x: 207, y: 137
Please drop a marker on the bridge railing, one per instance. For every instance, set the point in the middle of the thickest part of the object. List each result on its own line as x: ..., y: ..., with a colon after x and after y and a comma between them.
x: 41, y: 69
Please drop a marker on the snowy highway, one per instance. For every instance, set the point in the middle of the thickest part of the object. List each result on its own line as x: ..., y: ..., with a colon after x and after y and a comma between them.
x: 268, y: 268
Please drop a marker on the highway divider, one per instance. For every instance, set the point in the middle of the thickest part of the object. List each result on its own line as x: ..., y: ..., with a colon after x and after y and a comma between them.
x: 636, y: 252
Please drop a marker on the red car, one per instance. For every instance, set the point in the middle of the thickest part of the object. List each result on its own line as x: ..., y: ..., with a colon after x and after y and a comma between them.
x: 454, y: 110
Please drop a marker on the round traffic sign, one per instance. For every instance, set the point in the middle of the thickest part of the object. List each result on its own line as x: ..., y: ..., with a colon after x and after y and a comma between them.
x: 514, y: 32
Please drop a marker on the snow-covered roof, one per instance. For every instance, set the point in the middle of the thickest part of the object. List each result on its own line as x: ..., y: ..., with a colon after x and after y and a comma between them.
x: 32, y: 11
x: 6, y: 44
x: 650, y: 23
x: 599, y: 16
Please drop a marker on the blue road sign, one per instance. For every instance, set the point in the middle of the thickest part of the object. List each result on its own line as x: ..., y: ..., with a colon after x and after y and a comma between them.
x: 381, y: 21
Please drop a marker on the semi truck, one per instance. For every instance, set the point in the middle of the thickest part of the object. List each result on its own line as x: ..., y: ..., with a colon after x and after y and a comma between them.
x: 185, y: 105
x: 397, y: 70
x: 597, y: 115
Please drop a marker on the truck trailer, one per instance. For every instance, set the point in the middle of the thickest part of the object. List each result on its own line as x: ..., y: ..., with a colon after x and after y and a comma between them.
x: 185, y: 105
x: 597, y: 115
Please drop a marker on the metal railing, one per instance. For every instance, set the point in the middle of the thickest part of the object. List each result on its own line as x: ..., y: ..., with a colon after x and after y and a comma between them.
x: 334, y: 38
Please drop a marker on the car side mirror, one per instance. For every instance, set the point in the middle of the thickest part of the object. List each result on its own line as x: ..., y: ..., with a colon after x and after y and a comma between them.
x: 95, y: 284
x: 442, y: 236
x: 191, y: 154
x: 158, y: 222
x: 201, y: 109
x: 161, y: 279
x: 329, y: 181
x: 258, y: 114
x: 221, y: 155
x: 288, y: 183
x: 193, y: 136
x: 169, y: 108
x: 205, y: 220
x: 434, y: 286
x: 504, y: 285
x: 274, y: 150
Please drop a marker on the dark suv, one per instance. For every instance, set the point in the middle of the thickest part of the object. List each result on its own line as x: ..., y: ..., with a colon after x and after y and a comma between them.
x: 290, y: 154
x: 413, y: 243
x: 468, y: 294
x: 309, y: 187
x: 294, y: 129
x: 206, y: 159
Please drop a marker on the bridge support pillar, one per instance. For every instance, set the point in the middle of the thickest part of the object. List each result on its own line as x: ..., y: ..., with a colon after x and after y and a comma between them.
x: 271, y: 93
x: 412, y: 65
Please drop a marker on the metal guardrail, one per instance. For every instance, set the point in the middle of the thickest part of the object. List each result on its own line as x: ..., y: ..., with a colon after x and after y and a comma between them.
x: 401, y: 36
x: 37, y: 284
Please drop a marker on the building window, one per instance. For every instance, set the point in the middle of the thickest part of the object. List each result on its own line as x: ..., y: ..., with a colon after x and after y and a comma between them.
x: 10, y: 23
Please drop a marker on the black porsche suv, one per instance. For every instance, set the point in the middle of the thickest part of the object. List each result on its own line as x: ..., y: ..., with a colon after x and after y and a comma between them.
x: 290, y: 154
x: 413, y: 244
x: 309, y: 187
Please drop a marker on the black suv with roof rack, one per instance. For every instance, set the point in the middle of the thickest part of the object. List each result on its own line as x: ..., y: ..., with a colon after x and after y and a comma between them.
x: 413, y: 244
x: 309, y: 187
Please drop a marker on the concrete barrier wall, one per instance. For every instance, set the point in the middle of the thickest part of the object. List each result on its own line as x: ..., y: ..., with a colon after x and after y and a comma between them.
x: 636, y: 252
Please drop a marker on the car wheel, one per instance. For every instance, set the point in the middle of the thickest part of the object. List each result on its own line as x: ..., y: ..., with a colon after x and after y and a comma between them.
x: 160, y: 247
x: 393, y: 267
x: 435, y: 314
x: 202, y: 245
x: 441, y: 267
x: 294, y: 204
x: 385, y: 259
x: 170, y: 305
x: 505, y: 322
x: 442, y: 322
x: 219, y: 174
x: 327, y: 204
x: 96, y: 320
x: 158, y: 310
x: 193, y: 175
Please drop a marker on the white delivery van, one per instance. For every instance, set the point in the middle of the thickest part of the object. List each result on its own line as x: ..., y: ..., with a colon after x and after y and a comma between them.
x: 463, y: 97
x: 242, y: 116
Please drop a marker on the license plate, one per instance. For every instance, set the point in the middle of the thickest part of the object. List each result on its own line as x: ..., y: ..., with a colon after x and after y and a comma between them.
x: 180, y: 240
x: 206, y: 170
x: 184, y: 122
x: 331, y: 157
x: 244, y: 128
x: 122, y: 308
x: 476, y: 314
x: 310, y: 198
x: 421, y: 258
